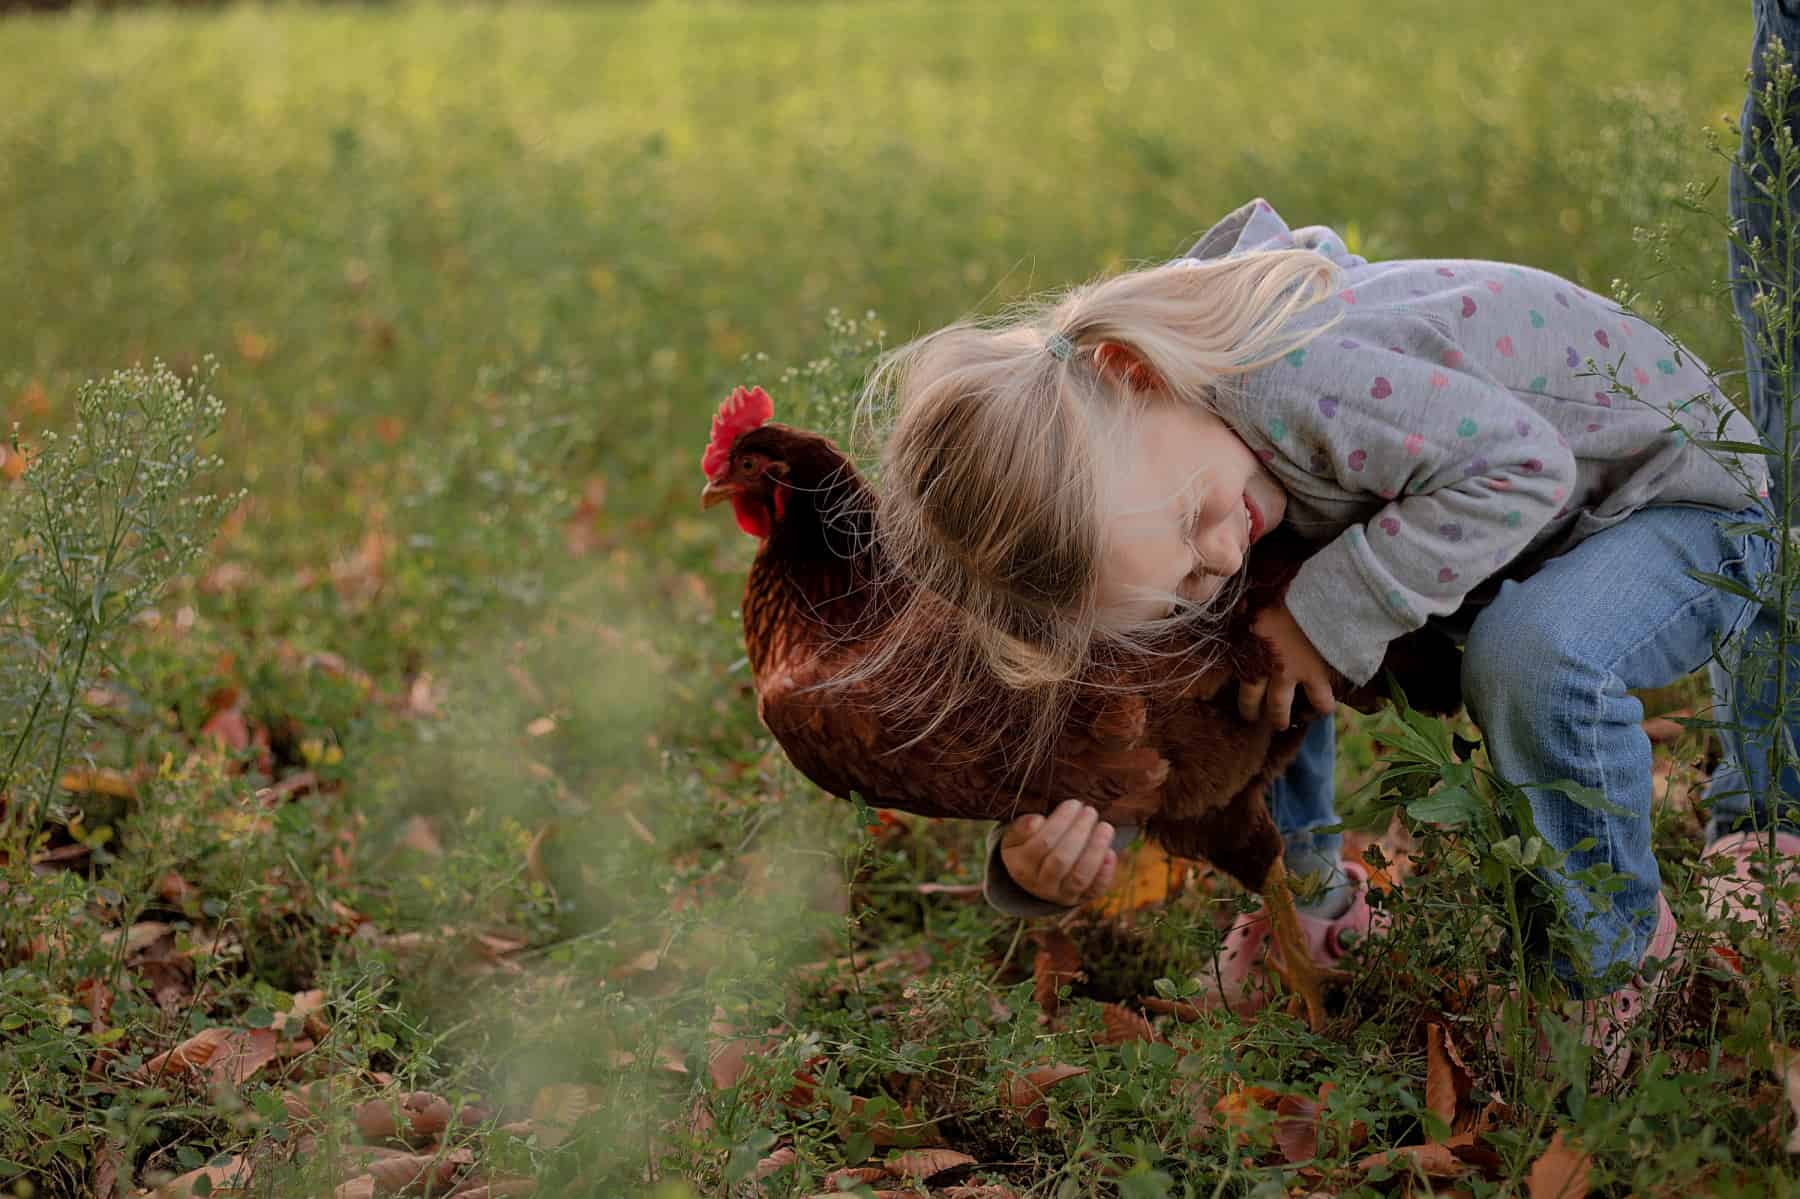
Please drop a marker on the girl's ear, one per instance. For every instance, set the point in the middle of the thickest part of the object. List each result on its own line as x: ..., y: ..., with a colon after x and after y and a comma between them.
x: 1110, y: 356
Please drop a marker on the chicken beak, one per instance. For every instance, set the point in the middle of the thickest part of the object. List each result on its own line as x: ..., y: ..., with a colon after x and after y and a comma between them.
x: 716, y: 491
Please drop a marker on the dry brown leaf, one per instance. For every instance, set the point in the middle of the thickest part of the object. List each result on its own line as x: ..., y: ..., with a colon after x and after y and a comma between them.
x: 1146, y: 876
x: 1435, y: 1160
x: 922, y: 1164
x: 780, y: 1159
x: 418, y: 835
x: 1058, y: 962
x: 1560, y: 1173
x: 1787, y: 1068
x: 356, y: 1188
x: 232, y: 1178
x: 229, y: 728
x: 1447, y: 1079
x: 196, y: 1053
x: 835, y: 1180
x: 495, y: 1188
x: 1024, y: 1093
x: 304, y: 1014
x: 543, y: 726
x: 173, y: 889
x: 982, y: 1191
x: 97, y: 998
x: 1182, y: 1010
x: 410, y: 1172
x: 109, y: 1166
x: 534, y: 855
x: 1234, y: 1107
x: 1122, y: 1025
x: 101, y: 781
x: 419, y: 1114
x: 559, y: 1107
x: 1297, y: 1127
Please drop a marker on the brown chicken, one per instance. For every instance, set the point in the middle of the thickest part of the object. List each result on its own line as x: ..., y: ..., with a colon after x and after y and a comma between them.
x: 1153, y: 743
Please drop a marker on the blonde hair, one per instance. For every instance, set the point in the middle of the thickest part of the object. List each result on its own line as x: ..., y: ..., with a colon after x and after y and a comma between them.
x: 995, y: 453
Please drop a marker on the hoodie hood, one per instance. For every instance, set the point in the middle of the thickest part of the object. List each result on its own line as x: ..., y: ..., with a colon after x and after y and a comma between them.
x: 1257, y: 226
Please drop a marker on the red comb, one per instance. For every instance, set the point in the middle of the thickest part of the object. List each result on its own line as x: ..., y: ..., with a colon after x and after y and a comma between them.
x: 742, y: 411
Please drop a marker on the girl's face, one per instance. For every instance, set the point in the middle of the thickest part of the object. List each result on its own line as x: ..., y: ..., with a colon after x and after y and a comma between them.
x: 1190, y: 502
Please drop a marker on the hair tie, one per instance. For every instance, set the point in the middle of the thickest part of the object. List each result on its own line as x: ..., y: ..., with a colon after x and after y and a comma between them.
x: 1060, y: 347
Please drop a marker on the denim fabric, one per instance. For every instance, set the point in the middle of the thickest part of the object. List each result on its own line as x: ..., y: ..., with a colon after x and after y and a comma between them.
x: 1549, y: 663
x: 1301, y: 799
x: 1753, y: 212
x: 1546, y: 673
x: 1740, y: 799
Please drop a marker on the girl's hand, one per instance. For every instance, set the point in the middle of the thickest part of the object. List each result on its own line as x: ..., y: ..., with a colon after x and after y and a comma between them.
x: 1066, y: 857
x: 1297, y: 666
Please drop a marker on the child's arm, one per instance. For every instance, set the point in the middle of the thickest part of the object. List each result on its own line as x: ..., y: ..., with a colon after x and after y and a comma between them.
x: 1043, y: 865
x: 1470, y: 474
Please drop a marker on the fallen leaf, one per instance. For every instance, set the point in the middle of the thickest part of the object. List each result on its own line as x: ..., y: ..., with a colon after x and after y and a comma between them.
x: 356, y: 1188
x: 1297, y: 1127
x: 1122, y: 1025
x: 778, y: 1160
x: 559, y: 1107
x: 497, y: 1188
x: 171, y: 888
x: 1435, y: 1160
x: 418, y: 835
x: 231, y: 1178
x: 1182, y: 1010
x: 543, y: 726
x: 922, y: 1164
x: 1024, y: 1093
x: 1447, y: 1079
x: 419, y: 1114
x: 1058, y: 962
x: 229, y: 728
x: 253, y: 346
x: 108, y: 1167
x: 1560, y: 1173
x: 307, y: 1006
x: 534, y: 855
x: 853, y: 1175
x: 418, y: 1171
x: 99, y: 781
x: 97, y: 998
x: 1146, y: 876
x: 1234, y: 1107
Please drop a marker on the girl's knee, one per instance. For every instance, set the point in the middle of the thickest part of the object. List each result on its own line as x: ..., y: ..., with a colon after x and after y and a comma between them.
x: 1516, y: 649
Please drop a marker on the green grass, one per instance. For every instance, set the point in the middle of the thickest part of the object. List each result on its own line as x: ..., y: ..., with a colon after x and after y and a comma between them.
x: 459, y: 264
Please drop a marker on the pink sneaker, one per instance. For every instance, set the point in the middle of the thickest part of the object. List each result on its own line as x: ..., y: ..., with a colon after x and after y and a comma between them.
x: 1737, y: 896
x: 1604, y: 1020
x: 1243, y: 981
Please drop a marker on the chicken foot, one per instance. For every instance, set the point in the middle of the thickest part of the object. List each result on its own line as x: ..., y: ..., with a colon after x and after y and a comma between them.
x: 1293, y: 962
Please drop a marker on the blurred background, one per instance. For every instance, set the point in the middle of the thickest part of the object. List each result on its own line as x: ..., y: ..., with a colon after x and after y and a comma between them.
x: 475, y: 278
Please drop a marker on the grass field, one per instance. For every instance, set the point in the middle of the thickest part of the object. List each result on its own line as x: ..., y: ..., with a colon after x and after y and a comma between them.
x: 475, y: 280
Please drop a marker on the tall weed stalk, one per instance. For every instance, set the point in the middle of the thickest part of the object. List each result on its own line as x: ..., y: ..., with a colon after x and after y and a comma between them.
x: 104, y: 517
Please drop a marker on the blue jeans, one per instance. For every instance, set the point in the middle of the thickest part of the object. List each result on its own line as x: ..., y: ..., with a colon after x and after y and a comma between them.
x: 1547, y: 666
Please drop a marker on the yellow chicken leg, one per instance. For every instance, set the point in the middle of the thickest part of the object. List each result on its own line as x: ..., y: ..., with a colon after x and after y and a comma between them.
x: 1294, y: 964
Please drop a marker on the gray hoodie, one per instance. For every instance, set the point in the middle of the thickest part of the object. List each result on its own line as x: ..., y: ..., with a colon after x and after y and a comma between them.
x: 1462, y: 421
x: 1459, y: 423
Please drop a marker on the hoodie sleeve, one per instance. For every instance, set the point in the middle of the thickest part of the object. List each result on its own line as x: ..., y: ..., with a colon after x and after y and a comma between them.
x: 1459, y: 473
x: 1007, y: 897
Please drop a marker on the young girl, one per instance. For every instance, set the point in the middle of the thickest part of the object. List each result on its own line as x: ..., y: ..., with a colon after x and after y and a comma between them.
x: 1479, y: 444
